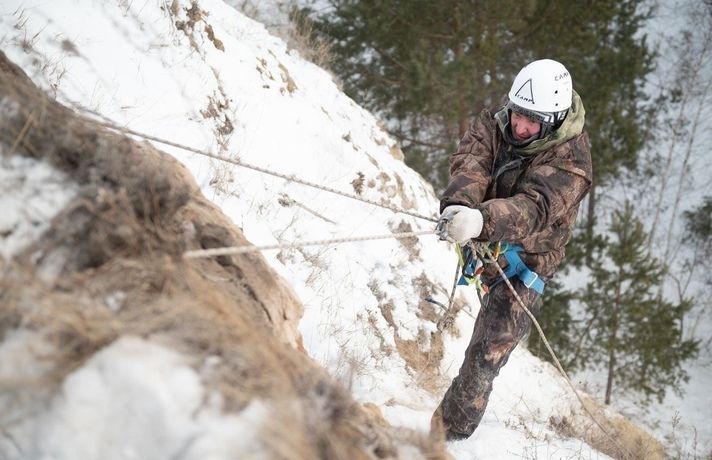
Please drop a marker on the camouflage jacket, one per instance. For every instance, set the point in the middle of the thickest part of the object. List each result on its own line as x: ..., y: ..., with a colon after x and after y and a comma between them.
x: 528, y: 196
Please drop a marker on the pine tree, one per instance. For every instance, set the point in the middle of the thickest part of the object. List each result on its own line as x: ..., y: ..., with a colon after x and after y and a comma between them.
x: 609, y: 58
x: 564, y: 330
x: 428, y: 67
x: 629, y: 330
x: 425, y: 67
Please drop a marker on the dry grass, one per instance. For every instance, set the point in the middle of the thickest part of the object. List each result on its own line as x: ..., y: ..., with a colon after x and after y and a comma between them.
x: 423, y: 357
x: 286, y: 22
x: 411, y: 245
x: 302, y: 37
x: 423, y: 354
x: 624, y: 440
x: 357, y: 183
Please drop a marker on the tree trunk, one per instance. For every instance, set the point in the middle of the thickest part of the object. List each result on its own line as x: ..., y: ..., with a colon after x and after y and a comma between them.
x: 692, y: 77
x: 612, y: 339
x: 609, y: 381
x: 590, y: 220
x: 463, y: 122
x: 684, y: 170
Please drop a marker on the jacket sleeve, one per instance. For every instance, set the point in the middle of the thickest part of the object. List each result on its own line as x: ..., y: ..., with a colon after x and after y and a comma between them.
x: 548, y: 192
x: 471, y: 165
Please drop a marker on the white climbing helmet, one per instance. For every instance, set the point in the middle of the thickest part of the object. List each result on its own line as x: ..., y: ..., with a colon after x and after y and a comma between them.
x: 542, y: 91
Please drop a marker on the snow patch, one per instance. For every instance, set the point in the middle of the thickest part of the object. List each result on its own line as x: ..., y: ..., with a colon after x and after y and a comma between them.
x: 136, y: 400
x: 32, y: 192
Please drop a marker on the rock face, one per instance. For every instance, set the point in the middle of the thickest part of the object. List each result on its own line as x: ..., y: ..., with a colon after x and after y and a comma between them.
x: 111, y: 266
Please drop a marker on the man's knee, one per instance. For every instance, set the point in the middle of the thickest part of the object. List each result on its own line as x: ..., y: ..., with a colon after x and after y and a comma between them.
x: 499, y: 338
x: 499, y: 347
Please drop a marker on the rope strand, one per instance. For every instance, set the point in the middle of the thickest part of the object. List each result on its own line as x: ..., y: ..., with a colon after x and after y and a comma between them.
x: 233, y: 250
x: 559, y: 367
x: 287, y: 177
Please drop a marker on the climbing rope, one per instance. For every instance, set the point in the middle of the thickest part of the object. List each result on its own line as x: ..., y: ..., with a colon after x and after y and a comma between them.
x: 233, y: 250
x: 485, y: 251
x: 287, y: 177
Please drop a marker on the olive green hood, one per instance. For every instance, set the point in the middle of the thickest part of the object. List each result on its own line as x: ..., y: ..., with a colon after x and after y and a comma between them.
x: 572, y: 127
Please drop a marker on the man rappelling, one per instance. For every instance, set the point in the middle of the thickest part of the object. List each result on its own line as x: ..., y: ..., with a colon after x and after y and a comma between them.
x: 516, y: 182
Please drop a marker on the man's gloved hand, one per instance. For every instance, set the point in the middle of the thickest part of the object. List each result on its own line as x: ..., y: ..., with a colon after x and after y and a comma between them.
x: 459, y: 223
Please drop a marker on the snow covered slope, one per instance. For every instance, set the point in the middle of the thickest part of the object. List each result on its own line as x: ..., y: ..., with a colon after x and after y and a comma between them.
x: 203, y: 75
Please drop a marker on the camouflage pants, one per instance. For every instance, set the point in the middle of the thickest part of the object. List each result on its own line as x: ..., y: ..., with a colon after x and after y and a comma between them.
x: 500, y: 325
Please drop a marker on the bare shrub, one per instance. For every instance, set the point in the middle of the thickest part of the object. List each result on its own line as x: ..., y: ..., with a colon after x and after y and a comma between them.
x: 302, y: 38
x: 283, y: 19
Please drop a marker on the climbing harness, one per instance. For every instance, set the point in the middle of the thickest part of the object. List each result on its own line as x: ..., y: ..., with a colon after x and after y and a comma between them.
x: 517, y: 268
x: 473, y: 266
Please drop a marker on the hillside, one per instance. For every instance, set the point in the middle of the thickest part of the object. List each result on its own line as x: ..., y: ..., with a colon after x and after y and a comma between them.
x: 111, y: 320
x: 289, y: 354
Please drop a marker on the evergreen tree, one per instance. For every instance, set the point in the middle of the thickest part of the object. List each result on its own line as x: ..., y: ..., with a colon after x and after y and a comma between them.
x: 698, y: 235
x: 562, y: 328
x: 425, y: 66
x: 628, y: 329
x: 428, y: 67
x: 602, y: 46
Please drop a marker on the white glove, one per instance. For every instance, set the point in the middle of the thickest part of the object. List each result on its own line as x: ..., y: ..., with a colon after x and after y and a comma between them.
x: 459, y: 224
